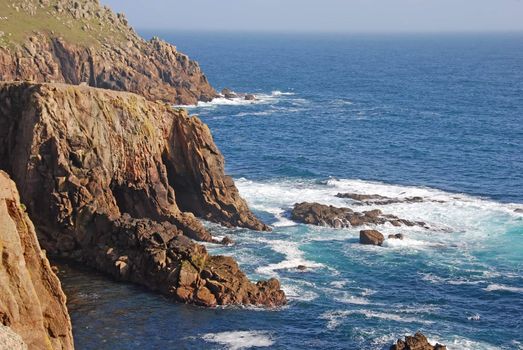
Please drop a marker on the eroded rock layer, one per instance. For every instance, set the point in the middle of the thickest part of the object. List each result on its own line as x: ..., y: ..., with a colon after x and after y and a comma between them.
x: 84, y: 157
x: 78, y: 42
x: 32, y: 303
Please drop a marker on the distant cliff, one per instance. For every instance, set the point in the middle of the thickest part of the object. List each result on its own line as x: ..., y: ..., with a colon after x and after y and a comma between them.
x: 32, y: 303
x: 78, y: 42
x: 113, y: 180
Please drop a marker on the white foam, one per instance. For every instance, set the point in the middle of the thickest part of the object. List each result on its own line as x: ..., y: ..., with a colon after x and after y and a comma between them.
x: 240, y: 339
x: 334, y: 318
x: 293, y: 258
x: 475, y: 317
x: 501, y: 287
x: 390, y: 317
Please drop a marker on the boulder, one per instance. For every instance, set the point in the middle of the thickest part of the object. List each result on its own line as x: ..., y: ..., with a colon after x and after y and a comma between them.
x: 250, y: 97
x: 228, y: 93
x: 371, y: 237
x: 397, y: 236
x: 416, y: 342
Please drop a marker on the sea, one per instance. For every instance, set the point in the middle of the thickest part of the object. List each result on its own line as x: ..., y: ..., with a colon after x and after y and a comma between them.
x: 437, y: 116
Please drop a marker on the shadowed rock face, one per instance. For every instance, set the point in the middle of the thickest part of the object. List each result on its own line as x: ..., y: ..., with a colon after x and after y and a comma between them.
x: 88, y: 43
x: 84, y: 157
x: 328, y: 215
x: 32, y: 303
x: 416, y: 342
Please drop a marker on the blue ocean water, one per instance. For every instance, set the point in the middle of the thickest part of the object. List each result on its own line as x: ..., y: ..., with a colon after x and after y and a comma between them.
x: 436, y: 116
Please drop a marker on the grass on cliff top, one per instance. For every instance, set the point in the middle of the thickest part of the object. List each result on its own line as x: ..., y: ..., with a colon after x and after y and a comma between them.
x: 19, y: 24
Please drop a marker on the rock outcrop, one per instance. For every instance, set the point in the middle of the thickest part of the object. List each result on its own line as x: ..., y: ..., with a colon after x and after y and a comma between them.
x: 376, y: 199
x: 81, y: 42
x: 115, y: 181
x: 371, y: 237
x: 32, y: 303
x: 417, y: 342
x: 330, y: 216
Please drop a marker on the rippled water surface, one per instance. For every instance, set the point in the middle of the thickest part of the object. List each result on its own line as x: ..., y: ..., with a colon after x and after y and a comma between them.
x: 439, y: 117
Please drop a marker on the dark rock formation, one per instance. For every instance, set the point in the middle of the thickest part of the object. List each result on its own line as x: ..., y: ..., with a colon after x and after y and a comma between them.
x: 32, y: 303
x: 376, y: 199
x: 84, y: 157
x: 81, y: 42
x: 397, y: 236
x: 325, y: 215
x: 228, y: 93
x: 519, y: 211
x: 371, y: 237
x: 417, y: 342
x: 250, y: 97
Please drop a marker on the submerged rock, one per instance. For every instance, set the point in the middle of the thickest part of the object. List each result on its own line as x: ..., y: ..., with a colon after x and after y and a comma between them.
x: 250, y: 97
x: 32, y: 303
x: 371, y: 237
x: 330, y: 216
x: 417, y: 342
x: 397, y: 236
x: 114, y: 181
x: 519, y: 210
x: 376, y: 199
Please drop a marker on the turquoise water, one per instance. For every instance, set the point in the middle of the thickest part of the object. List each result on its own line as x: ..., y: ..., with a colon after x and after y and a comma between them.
x: 439, y: 117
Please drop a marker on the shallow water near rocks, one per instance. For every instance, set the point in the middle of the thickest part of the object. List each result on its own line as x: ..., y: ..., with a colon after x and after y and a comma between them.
x: 439, y: 117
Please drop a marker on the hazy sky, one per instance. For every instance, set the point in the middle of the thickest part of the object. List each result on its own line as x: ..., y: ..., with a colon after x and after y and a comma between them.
x: 324, y: 15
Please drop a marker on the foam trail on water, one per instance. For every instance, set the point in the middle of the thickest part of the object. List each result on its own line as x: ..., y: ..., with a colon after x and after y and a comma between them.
x: 237, y: 340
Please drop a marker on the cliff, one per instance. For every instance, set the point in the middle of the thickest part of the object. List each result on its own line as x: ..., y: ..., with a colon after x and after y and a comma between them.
x: 78, y: 42
x: 107, y: 178
x: 32, y: 303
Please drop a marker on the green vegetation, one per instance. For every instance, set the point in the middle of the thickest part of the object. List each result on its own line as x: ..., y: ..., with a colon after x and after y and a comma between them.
x: 20, y: 19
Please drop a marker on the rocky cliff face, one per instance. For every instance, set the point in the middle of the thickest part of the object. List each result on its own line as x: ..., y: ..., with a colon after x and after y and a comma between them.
x: 32, y: 303
x: 79, y: 42
x: 104, y: 176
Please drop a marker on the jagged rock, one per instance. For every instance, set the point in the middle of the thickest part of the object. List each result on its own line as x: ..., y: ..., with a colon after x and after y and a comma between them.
x: 115, y: 181
x: 397, y: 236
x: 99, y: 48
x: 227, y: 241
x: 371, y: 237
x: 376, y: 199
x: 417, y: 342
x: 328, y: 215
x: 32, y: 303
x: 228, y: 93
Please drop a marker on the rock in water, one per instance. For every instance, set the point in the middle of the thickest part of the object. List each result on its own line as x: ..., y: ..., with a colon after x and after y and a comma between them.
x: 371, y: 237
x: 327, y: 215
x: 417, y: 342
x: 114, y: 181
x: 96, y: 47
x: 397, y: 236
x: 228, y: 93
x: 32, y: 303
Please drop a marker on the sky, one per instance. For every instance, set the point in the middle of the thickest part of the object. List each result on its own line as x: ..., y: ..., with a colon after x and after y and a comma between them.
x: 324, y: 15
